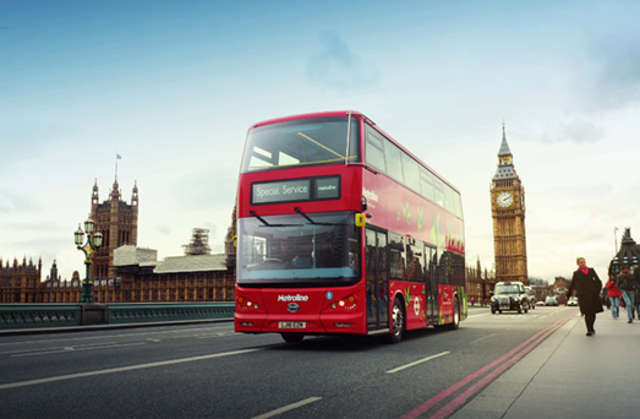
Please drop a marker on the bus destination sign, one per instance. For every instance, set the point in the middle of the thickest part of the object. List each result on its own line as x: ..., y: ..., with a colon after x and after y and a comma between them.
x: 296, y: 190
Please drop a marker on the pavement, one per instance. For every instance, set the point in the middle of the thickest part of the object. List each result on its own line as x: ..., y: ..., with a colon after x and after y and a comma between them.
x: 569, y: 375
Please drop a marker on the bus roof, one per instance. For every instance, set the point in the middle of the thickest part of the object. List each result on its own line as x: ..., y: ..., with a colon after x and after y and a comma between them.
x: 356, y: 113
x: 305, y: 116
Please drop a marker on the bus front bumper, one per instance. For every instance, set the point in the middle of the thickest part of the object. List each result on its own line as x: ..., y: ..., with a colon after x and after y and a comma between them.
x: 302, y: 323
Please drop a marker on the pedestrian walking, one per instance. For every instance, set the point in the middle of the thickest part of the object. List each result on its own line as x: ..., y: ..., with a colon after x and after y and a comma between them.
x: 636, y: 286
x: 626, y: 284
x: 587, y: 285
x: 614, y: 294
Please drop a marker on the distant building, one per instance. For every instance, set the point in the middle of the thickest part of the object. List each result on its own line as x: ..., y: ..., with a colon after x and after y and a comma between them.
x: 56, y: 290
x: 20, y: 283
x: 538, y: 282
x: 629, y: 254
x: 541, y: 291
x: 479, y: 284
x: 118, y: 223
x: 122, y: 272
x: 140, y: 277
x: 560, y: 287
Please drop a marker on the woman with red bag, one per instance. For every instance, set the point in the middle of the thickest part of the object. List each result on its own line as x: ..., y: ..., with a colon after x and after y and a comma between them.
x: 614, y: 295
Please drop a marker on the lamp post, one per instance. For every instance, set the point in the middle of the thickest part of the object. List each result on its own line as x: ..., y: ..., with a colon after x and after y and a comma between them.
x: 93, y: 243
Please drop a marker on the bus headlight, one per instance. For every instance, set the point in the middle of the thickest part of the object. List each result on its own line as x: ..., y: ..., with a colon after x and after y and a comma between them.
x: 346, y: 303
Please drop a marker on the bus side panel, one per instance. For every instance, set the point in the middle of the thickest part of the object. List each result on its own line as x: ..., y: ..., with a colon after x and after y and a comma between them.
x: 416, y: 312
x: 464, y: 302
x: 398, y: 209
x: 446, y: 299
x: 414, y: 297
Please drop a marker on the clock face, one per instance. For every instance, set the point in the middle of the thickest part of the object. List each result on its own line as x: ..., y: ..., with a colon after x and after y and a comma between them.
x: 505, y: 199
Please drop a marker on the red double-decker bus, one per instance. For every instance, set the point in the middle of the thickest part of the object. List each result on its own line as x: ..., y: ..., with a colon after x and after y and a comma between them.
x: 341, y: 230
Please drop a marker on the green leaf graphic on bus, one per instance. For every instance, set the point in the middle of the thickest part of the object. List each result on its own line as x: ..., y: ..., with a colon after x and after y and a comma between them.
x: 436, y: 235
x: 404, y: 213
x: 420, y: 218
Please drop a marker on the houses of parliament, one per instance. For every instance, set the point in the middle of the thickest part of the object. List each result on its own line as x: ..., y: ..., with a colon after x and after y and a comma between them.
x: 122, y: 272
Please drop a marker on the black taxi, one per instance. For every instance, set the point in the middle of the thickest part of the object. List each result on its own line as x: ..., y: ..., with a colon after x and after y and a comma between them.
x: 510, y: 296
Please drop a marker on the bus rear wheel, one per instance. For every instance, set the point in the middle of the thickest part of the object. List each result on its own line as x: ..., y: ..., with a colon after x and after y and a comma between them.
x: 292, y: 337
x: 397, y: 321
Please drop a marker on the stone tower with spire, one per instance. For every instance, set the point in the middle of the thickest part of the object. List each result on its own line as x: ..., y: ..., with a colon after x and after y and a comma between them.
x: 508, y: 210
x: 118, y: 223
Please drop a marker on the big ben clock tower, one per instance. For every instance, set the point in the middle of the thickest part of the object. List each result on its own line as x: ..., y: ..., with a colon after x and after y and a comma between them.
x: 507, y: 210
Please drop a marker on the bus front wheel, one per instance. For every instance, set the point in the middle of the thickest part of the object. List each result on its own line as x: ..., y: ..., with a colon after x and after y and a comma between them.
x: 397, y: 321
x: 292, y: 337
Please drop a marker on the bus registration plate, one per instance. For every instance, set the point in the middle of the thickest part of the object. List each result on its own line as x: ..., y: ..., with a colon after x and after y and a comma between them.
x: 292, y: 325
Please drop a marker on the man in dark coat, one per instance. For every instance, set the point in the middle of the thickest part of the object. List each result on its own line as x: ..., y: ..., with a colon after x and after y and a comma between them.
x: 587, y: 285
x: 626, y: 283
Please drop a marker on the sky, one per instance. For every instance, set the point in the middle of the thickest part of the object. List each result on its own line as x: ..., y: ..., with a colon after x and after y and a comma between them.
x: 173, y: 87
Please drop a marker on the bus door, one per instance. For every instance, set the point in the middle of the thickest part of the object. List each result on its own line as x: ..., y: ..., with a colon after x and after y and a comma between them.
x: 431, y: 279
x: 416, y: 315
x: 377, y: 281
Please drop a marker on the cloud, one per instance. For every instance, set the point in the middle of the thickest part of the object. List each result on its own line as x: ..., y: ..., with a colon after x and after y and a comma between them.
x: 338, y: 67
x: 577, y: 129
x: 15, y: 203
x: 44, y: 243
x: 163, y: 229
x: 617, y: 80
x: 203, y: 188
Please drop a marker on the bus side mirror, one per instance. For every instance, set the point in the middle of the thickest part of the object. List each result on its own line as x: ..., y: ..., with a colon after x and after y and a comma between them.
x: 360, y: 219
x: 363, y: 203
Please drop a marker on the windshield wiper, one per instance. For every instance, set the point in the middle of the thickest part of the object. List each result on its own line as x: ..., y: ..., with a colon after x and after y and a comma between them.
x: 266, y: 223
x: 299, y: 211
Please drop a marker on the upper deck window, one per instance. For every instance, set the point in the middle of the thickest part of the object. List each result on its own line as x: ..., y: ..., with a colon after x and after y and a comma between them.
x: 302, y: 142
x: 385, y: 157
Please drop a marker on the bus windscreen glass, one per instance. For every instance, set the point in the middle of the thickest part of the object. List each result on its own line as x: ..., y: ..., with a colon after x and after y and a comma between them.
x: 301, y: 142
x: 290, y: 249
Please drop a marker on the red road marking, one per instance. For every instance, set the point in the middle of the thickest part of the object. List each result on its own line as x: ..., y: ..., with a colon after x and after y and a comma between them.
x: 456, y: 403
x: 450, y: 390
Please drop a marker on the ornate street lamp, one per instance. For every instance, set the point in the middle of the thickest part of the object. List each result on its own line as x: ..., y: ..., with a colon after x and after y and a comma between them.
x: 93, y: 243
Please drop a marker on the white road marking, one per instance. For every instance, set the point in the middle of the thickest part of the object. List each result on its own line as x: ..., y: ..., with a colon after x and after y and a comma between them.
x: 76, y: 349
x: 217, y: 335
x: 473, y: 316
x: 122, y: 369
x: 420, y: 361
x: 153, y: 340
x: 482, y: 338
x: 287, y: 408
x: 133, y: 334
x: 53, y: 349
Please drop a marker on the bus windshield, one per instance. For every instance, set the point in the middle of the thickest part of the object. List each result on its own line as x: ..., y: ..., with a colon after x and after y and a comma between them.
x: 301, y: 142
x: 292, y: 249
